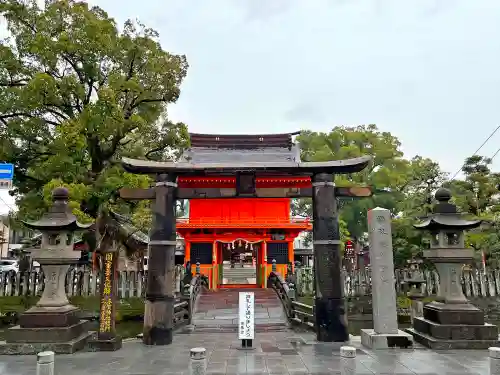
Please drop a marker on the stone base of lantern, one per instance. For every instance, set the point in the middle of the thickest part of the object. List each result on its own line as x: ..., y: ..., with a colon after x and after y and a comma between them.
x: 453, y: 326
x: 41, y: 317
x: 374, y: 340
x: 99, y: 345
x: 61, y: 340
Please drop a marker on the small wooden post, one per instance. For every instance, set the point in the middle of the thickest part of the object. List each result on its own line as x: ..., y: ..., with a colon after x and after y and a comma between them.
x: 107, y: 339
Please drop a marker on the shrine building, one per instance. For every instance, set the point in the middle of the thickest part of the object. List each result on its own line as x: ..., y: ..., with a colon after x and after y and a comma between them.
x: 218, y: 231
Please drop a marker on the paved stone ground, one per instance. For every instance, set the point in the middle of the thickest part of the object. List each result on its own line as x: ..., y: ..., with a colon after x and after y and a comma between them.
x: 239, y: 275
x: 274, y: 354
x: 217, y: 311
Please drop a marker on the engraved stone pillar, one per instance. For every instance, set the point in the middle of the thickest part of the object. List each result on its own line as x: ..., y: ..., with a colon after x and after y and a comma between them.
x: 331, y: 324
x: 385, y: 320
x: 160, y: 293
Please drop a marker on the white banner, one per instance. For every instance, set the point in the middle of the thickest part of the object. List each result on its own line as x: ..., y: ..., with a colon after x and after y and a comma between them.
x: 246, y: 316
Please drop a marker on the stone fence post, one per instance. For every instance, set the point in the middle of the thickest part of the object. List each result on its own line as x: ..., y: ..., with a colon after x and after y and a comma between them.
x: 198, y: 361
x: 494, y: 361
x: 347, y: 360
x: 45, y: 363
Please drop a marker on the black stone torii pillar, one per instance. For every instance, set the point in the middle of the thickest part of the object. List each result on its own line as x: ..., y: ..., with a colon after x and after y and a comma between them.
x: 331, y: 322
x: 160, y: 292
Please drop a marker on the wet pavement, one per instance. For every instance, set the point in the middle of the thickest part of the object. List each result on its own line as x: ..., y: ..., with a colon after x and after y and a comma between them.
x: 274, y: 353
x: 217, y: 311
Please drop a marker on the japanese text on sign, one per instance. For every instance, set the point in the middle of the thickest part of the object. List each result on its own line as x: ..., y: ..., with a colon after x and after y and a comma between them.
x: 106, y: 302
x: 246, y: 316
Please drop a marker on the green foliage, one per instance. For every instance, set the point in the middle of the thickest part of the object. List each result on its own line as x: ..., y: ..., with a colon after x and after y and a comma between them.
x: 477, y: 194
x: 387, y: 170
x: 407, y: 183
x: 76, y: 95
x: 126, y: 309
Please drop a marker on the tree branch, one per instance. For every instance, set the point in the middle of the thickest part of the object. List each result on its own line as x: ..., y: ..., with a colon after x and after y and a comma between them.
x: 17, y: 83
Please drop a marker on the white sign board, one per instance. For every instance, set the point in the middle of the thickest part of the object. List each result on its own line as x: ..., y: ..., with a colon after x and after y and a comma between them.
x: 246, y: 326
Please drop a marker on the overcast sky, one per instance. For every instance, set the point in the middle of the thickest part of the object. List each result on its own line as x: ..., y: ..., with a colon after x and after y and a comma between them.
x: 425, y: 70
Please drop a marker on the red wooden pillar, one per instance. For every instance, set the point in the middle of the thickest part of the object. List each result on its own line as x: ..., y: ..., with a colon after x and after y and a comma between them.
x: 215, y: 270
x: 187, y: 251
x: 264, y: 265
x: 290, y: 253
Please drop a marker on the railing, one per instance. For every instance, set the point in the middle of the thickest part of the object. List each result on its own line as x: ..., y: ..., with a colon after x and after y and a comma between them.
x: 296, y: 312
x: 183, y: 312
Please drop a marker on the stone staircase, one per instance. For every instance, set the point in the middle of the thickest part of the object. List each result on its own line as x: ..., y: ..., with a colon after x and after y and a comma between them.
x: 217, y: 311
x: 239, y: 275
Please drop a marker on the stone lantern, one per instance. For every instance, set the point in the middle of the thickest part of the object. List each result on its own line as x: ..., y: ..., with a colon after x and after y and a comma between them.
x: 53, y: 323
x: 413, y: 281
x: 451, y: 322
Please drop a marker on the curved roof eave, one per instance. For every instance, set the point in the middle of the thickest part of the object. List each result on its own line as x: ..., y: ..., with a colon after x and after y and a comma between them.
x: 186, y: 168
x: 451, y: 222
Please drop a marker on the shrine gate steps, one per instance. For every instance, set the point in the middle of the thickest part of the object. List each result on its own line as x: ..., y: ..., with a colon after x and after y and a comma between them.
x: 239, y: 275
x: 217, y: 311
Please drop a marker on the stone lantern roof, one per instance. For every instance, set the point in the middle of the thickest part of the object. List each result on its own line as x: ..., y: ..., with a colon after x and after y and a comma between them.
x: 59, y: 216
x: 445, y: 215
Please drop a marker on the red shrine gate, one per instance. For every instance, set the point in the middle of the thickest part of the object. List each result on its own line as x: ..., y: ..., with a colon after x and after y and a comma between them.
x: 217, y: 228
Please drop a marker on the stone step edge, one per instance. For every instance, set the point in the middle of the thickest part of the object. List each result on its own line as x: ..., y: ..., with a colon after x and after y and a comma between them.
x: 419, y: 337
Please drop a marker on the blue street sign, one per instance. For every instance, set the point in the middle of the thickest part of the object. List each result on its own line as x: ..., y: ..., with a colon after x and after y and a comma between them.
x: 6, y: 171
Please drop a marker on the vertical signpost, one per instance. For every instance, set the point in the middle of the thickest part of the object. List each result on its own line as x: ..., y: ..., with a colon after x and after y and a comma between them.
x: 6, y: 176
x: 107, y: 339
x: 246, y: 324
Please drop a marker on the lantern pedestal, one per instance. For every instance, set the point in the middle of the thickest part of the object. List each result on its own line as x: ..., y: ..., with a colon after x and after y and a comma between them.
x: 446, y: 326
x: 451, y: 322
x: 53, y: 324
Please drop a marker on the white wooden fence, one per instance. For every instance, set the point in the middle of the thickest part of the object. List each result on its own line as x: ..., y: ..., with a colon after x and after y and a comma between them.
x: 85, y: 282
x: 80, y: 282
x: 475, y: 282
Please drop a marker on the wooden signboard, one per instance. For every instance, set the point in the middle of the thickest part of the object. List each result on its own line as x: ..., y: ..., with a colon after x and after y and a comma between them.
x: 108, y: 297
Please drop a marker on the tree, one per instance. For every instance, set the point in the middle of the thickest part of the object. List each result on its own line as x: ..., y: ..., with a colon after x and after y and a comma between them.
x: 407, y: 184
x: 477, y: 195
x: 423, y: 178
x: 388, y: 169
x: 75, y: 96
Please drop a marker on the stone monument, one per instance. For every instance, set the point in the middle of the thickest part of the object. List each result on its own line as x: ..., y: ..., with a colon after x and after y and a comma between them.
x: 385, y: 320
x: 451, y: 322
x: 53, y: 323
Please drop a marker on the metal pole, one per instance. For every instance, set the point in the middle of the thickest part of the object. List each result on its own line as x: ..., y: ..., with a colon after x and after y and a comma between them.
x: 197, y: 361
x: 45, y: 363
x: 347, y: 360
